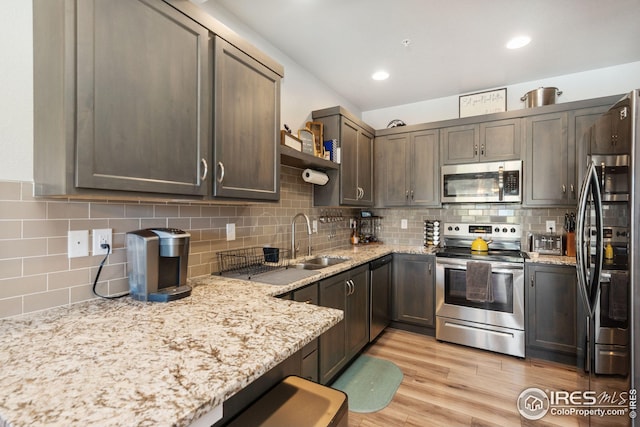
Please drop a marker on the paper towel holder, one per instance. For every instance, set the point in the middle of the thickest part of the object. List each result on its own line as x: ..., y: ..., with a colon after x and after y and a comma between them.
x: 315, y: 177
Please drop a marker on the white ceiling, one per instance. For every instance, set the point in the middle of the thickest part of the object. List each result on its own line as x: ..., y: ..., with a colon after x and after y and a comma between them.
x: 457, y: 46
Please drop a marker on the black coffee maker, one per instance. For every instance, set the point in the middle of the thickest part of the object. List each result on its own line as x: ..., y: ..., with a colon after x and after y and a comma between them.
x: 157, y: 264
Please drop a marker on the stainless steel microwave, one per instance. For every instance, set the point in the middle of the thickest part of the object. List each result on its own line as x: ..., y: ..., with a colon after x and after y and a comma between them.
x: 482, y: 182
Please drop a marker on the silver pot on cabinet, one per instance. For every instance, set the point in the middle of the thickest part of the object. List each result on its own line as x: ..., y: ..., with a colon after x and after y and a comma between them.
x: 541, y: 96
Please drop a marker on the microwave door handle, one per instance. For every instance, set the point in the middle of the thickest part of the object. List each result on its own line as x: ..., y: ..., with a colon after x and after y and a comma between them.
x: 500, y: 183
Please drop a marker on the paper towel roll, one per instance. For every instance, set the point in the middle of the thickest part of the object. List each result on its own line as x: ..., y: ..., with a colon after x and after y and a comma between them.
x: 315, y: 177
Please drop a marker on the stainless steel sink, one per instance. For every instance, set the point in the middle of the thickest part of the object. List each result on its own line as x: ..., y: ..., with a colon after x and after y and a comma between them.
x: 318, y: 263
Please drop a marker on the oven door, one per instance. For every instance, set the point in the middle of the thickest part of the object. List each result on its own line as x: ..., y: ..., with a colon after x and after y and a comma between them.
x: 507, y: 281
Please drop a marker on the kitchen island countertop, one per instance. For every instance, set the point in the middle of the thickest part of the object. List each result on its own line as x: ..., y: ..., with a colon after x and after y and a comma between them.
x: 125, y: 362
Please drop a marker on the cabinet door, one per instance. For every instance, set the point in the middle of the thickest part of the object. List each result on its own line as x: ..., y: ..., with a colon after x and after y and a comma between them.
x: 500, y: 140
x: 423, y: 165
x: 349, y: 162
x: 247, y: 122
x: 580, y: 122
x: 612, y: 132
x: 333, y: 353
x: 392, y: 169
x: 413, y: 289
x: 460, y: 144
x: 365, y: 169
x: 143, y: 94
x: 358, y: 311
x: 551, y: 308
x: 548, y: 179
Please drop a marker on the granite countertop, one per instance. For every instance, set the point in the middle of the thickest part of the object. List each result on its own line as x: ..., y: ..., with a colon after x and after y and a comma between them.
x: 550, y: 259
x: 125, y: 362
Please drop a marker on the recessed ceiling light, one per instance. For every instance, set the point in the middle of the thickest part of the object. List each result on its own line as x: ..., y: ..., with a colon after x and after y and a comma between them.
x: 518, y: 42
x: 380, y: 75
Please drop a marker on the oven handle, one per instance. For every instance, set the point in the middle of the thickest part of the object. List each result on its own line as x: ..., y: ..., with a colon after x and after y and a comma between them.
x: 499, y: 267
x: 474, y: 328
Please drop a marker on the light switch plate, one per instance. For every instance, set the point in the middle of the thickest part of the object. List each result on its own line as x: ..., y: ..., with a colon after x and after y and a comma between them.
x: 77, y: 243
x: 231, y: 232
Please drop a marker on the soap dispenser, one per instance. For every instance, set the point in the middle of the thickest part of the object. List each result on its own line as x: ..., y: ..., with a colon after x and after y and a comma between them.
x: 608, y: 251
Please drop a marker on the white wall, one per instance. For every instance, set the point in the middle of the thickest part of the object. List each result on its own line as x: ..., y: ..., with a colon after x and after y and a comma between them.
x: 302, y: 92
x: 16, y: 91
x: 585, y: 85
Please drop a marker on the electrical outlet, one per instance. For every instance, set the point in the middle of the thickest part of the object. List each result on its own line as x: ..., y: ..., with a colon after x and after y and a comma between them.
x: 77, y: 243
x: 403, y: 224
x: 100, y: 236
x: 231, y: 232
x: 551, y: 226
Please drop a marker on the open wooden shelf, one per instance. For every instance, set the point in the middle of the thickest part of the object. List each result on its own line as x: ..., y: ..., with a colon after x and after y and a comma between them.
x: 297, y: 159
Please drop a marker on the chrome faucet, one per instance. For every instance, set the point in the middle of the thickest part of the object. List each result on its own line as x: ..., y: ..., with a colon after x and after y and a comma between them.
x: 293, y: 234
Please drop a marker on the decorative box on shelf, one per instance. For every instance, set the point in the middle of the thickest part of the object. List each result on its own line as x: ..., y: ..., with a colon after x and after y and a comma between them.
x: 288, y: 140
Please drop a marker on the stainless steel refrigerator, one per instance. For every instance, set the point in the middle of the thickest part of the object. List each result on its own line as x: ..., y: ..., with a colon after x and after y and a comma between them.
x: 608, y: 264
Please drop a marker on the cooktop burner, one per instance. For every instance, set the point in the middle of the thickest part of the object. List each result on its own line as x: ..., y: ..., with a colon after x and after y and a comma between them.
x: 504, y: 241
x: 493, y: 255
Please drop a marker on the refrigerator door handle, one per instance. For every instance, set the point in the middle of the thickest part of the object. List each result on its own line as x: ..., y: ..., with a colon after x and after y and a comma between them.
x: 589, y: 283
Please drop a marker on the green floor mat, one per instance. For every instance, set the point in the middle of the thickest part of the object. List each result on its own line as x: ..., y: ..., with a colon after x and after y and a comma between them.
x: 370, y: 383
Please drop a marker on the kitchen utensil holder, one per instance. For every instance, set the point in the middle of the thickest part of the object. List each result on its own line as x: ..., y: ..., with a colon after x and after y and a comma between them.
x: 253, y: 260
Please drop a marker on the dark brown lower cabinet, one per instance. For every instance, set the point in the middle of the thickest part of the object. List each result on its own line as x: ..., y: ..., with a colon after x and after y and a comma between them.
x: 349, y: 292
x: 552, y: 312
x: 413, y: 289
x: 309, y: 295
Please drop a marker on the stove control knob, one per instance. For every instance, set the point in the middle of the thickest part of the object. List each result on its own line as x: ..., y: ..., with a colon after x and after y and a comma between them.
x: 449, y: 228
x: 457, y: 228
x: 513, y: 229
x: 504, y: 230
x: 497, y: 229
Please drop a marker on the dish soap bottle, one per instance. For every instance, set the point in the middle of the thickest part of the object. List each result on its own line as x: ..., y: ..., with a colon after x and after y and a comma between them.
x: 608, y: 251
x: 354, y: 236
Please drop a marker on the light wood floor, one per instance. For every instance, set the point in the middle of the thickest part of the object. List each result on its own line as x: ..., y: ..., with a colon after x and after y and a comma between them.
x: 451, y: 385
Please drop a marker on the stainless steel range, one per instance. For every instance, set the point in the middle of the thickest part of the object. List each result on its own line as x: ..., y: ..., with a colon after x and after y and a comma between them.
x: 480, y: 294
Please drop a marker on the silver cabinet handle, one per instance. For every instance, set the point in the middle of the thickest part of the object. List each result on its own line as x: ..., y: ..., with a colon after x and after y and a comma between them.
x: 205, y: 168
x: 475, y: 149
x: 411, y: 194
x: 221, y: 166
x: 482, y: 150
x: 406, y: 196
x: 564, y: 188
x: 573, y: 190
x: 351, y: 287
